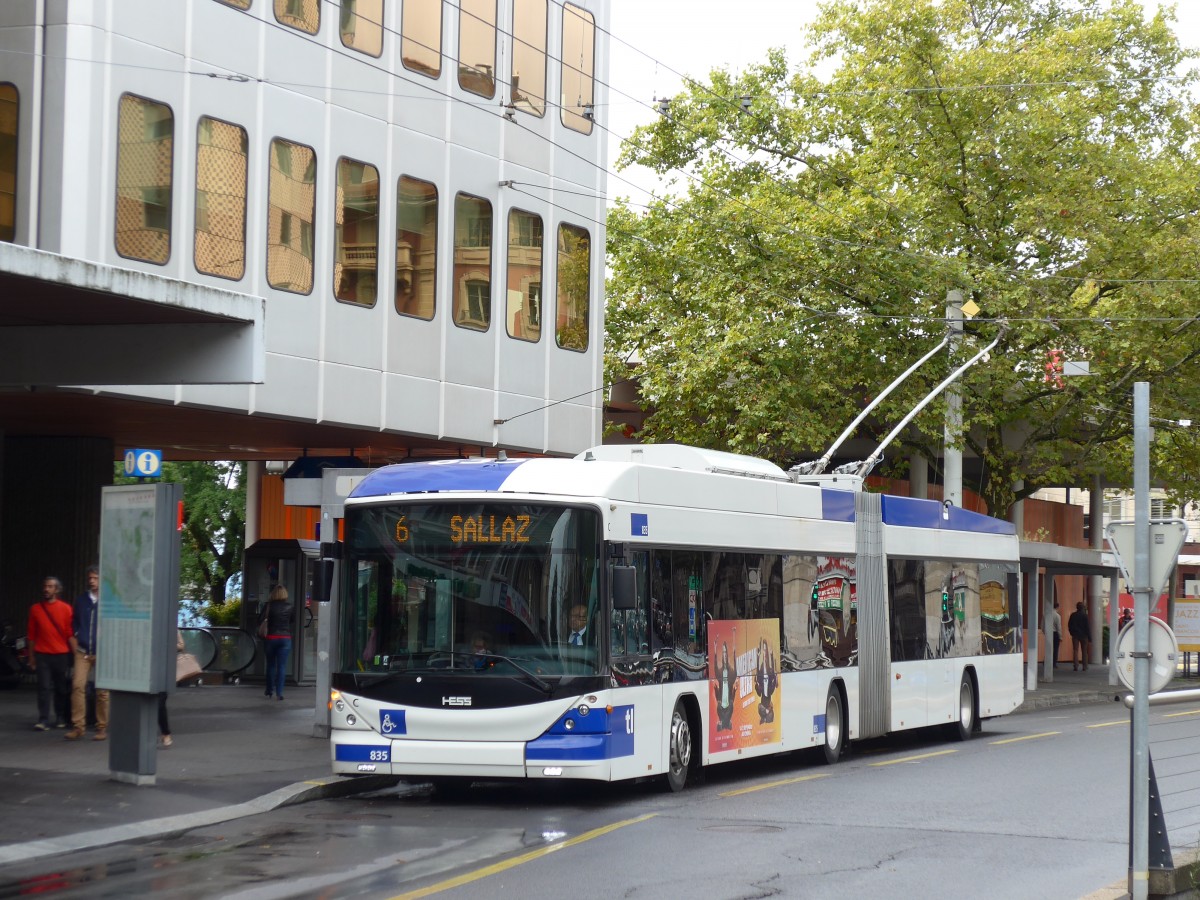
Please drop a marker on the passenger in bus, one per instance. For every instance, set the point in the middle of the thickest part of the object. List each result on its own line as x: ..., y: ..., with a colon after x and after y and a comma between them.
x: 480, y: 651
x: 578, y: 620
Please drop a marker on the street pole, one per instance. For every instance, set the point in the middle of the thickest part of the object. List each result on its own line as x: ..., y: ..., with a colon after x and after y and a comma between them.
x: 952, y: 481
x: 1139, y: 812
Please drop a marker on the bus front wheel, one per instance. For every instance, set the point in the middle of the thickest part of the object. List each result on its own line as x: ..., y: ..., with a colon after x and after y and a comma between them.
x: 835, y: 732
x: 680, y: 748
x: 962, y: 728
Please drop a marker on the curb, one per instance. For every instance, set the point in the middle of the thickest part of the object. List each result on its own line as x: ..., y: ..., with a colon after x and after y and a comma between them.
x: 1050, y: 701
x: 292, y: 794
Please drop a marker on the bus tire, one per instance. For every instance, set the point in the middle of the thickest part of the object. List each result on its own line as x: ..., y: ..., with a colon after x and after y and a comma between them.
x: 835, y: 726
x: 680, y: 748
x: 966, y: 721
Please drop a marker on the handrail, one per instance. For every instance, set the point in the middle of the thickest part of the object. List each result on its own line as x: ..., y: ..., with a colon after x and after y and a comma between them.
x: 1164, y: 697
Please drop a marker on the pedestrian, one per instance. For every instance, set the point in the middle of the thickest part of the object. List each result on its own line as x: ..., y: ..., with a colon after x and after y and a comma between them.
x: 1057, y: 620
x: 277, y: 638
x: 49, y: 643
x: 86, y: 618
x: 164, y: 727
x: 1081, y: 637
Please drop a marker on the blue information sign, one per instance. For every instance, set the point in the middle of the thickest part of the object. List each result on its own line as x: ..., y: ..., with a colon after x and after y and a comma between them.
x: 143, y: 463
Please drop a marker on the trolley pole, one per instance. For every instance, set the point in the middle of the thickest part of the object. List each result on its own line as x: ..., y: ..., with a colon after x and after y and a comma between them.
x: 1139, y: 810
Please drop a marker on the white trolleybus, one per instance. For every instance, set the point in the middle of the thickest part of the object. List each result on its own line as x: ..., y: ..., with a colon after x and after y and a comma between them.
x: 645, y: 611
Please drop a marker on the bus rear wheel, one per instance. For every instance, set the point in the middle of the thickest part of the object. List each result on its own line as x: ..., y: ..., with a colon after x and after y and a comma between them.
x: 964, y: 726
x: 835, y: 732
x: 680, y: 749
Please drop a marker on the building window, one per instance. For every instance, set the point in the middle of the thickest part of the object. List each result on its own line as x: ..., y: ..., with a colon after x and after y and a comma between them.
x: 416, y: 247
x: 221, y: 165
x: 356, y: 233
x: 362, y: 26
x: 574, y: 270
x: 578, y: 64
x: 472, y: 262
x: 9, y: 107
x: 291, y: 209
x: 421, y: 36
x: 527, y: 85
x: 303, y: 15
x: 1159, y: 508
x: 1114, y: 508
x: 477, y: 47
x: 145, y: 148
x: 523, y: 313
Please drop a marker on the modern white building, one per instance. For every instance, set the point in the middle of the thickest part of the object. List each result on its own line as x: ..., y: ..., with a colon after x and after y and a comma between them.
x: 243, y: 228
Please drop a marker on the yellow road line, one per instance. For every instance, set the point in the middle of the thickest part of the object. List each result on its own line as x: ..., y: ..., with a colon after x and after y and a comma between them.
x: 771, y: 784
x: 892, y: 762
x: 1027, y: 737
x: 1107, y: 724
x: 1190, y: 712
x: 467, y: 878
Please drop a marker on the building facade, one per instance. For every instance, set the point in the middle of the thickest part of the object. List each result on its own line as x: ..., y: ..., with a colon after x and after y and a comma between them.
x: 402, y: 202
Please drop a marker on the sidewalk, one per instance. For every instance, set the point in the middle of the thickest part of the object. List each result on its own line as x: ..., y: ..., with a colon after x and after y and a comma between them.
x: 236, y: 754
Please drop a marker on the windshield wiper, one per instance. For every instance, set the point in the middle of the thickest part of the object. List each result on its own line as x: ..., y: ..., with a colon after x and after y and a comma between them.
x: 474, y: 657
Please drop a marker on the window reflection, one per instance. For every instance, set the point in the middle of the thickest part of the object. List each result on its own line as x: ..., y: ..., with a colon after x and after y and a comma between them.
x: 356, y: 233
x: 578, y: 61
x: 524, y: 312
x: 145, y: 144
x: 220, y: 238
x: 477, y: 47
x: 291, y: 199
x: 528, y: 82
x: 240, y: 4
x: 472, y: 262
x: 416, y: 248
x: 574, y: 267
x: 8, y: 162
x: 421, y: 36
x: 304, y: 15
x: 361, y: 25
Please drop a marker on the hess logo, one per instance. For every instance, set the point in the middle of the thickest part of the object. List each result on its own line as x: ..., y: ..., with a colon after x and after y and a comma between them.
x: 456, y: 701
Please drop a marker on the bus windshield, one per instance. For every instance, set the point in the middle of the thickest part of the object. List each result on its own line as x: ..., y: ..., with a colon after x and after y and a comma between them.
x: 476, y: 587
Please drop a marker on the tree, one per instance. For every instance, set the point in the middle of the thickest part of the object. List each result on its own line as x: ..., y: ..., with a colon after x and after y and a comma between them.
x: 1039, y: 155
x: 214, y: 528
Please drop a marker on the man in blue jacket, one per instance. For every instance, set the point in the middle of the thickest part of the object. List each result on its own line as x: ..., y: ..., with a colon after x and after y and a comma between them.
x: 83, y: 643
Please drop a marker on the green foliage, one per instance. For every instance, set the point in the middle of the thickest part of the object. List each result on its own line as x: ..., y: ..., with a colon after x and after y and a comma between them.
x: 1038, y: 155
x: 214, y: 528
x: 228, y: 613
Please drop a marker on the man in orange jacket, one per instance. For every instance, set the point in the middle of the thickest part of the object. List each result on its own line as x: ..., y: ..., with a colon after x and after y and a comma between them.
x: 49, y: 635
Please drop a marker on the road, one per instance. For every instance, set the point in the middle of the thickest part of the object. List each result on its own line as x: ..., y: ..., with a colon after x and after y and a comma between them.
x: 1035, y: 806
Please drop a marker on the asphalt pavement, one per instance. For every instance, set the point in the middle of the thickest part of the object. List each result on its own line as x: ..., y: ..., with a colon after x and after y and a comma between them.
x: 236, y: 753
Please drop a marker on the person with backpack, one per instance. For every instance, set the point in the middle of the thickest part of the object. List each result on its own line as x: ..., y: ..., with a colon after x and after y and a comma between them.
x: 49, y: 636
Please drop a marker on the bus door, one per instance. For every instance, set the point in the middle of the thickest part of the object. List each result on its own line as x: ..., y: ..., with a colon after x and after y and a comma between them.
x: 638, y: 694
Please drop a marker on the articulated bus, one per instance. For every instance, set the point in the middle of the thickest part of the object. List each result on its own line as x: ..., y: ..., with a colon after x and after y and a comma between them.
x: 644, y: 611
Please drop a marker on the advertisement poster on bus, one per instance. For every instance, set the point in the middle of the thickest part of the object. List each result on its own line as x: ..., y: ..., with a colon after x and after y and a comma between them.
x: 744, y: 697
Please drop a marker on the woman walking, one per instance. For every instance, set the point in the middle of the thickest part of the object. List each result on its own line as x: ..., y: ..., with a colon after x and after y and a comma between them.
x: 276, y: 628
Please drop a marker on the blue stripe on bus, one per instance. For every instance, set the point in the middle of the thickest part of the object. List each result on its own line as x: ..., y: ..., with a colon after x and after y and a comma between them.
x: 837, y: 506
x: 585, y: 741
x: 440, y: 475
x: 915, y: 513
x: 362, y: 753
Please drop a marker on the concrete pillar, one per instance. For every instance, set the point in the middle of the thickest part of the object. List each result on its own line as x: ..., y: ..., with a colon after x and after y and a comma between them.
x: 254, y: 473
x: 51, y: 523
x: 918, y: 477
x: 1096, y: 582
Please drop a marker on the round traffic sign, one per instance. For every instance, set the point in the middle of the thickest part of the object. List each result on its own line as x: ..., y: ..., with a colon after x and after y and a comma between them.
x: 130, y: 462
x: 1164, y: 654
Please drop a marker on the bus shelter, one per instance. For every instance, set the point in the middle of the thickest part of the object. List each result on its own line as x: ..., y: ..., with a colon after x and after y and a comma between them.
x: 1051, y: 561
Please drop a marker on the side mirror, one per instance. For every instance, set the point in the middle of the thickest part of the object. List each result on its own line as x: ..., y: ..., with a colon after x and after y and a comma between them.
x: 322, y: 579
x: 624, y: 587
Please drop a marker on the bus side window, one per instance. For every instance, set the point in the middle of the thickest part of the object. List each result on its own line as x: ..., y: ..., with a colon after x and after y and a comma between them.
x: 630, y: 627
